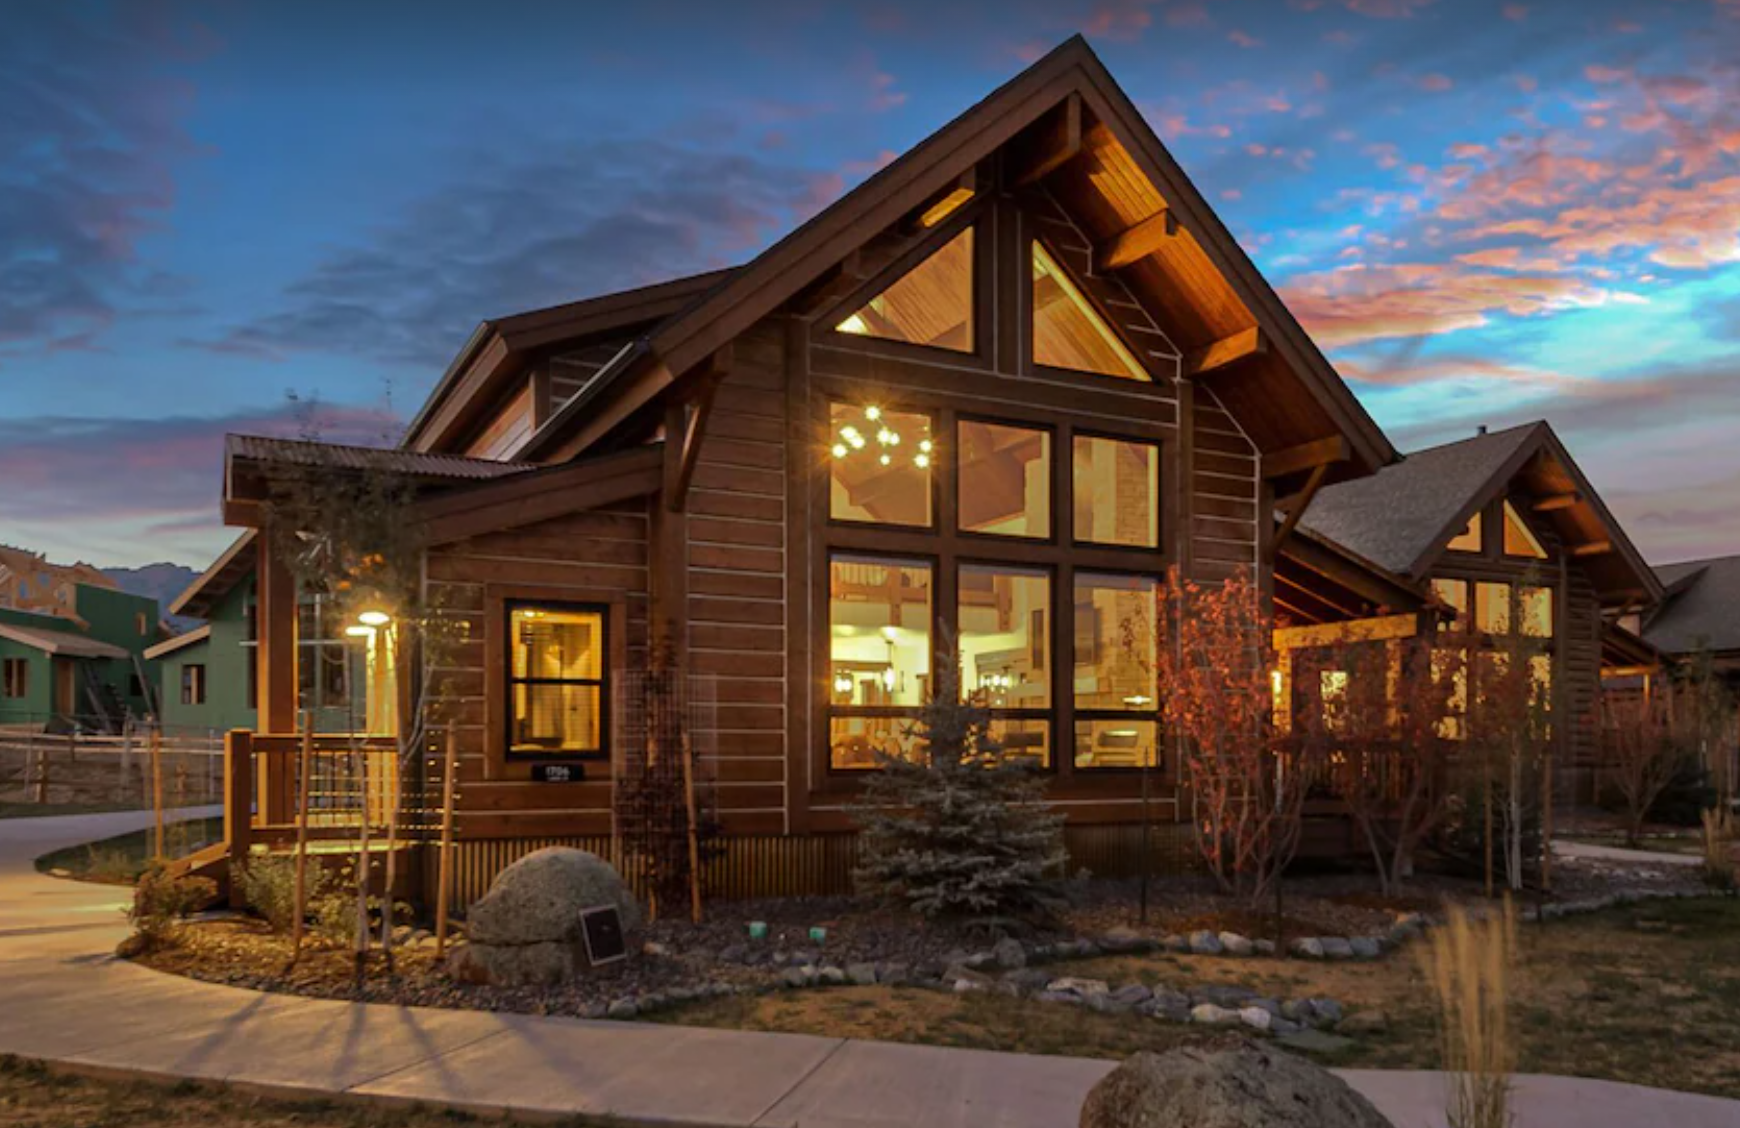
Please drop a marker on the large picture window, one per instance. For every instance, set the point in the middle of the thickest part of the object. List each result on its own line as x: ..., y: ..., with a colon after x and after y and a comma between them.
x: 557, y: 673
x: 931, y: 304
x: 879, y: 656
x: 1004, y: 626
x: 1116, y: 706
x: 1004, y: 480
x: 1068, y: 332
x: 1116, y: 492
x: 880, y: 465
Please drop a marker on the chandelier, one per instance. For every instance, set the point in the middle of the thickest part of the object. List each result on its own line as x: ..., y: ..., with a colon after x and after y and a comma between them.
x: 850, y: 441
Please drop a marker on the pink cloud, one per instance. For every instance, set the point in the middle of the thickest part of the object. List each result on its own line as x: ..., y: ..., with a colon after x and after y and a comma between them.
x: 1434, y: 83
x: 1516, y: 12
x: 1240, y: 39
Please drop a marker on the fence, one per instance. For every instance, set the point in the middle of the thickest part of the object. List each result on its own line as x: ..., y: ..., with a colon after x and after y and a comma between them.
x: 141, y: 768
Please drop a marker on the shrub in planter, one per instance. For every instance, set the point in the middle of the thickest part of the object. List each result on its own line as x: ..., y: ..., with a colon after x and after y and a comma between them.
x: 160, y: 901
x: 268, y: 886
x: 1686, y: 797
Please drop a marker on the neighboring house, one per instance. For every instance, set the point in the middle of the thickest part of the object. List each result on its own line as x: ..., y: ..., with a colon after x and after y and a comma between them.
x: 28, y: 582
x: 83, y: 667
x: 1512, y: 540
x: 989, y: 396
x: 1698, y: 620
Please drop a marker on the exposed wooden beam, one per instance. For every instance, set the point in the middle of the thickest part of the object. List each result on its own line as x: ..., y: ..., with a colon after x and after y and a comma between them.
x: 847, y: 275
x: 1312, y: 485
x: 694, y: 417
x: 1058, y: 142
x: 542, y: 495
x: 1593, y: 548
x: 1227, y: 350
x: 1556, y: 501
x: 1137, y: 241
x: 1306, y: 456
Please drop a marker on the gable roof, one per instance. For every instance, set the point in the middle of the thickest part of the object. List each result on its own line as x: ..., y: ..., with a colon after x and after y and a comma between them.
x: 60, y: 643
x: 1700, y: 608
x: 179, y: 642
x: 217, y: 581
x: 1402, y: 517
x: 1069, y: 93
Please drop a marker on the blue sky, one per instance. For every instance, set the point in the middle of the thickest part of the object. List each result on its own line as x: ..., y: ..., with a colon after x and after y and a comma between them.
x: 1485, y: 211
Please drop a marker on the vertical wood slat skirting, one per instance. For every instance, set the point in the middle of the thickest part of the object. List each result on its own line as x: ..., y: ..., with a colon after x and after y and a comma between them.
x: 810, y: 865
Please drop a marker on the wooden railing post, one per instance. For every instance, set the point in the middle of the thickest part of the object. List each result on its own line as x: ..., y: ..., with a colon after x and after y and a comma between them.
x: 238, y: 803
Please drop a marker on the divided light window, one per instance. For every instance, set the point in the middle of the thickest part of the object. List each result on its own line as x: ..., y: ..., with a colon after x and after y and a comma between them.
x: 1116, y: 492
x: 1116, y: 718
x: 1519, y: 540
x: 1068, y: 332
x: 931, y: 304
x: 880, y: 464
x: 879, y: 656
x: 1004, y: 628
x: 14, y: 677
x: 193, y: 684
x: 557, y: 670
x: 1454, y: 594
x: 1005, y: 480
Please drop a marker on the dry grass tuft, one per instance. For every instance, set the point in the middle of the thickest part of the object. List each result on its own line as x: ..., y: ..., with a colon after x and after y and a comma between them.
x: 1468, y: 963
x: 1719, y: 847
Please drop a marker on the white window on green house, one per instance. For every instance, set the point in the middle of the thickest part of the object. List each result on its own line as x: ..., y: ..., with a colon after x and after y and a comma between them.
x: 193, y: 684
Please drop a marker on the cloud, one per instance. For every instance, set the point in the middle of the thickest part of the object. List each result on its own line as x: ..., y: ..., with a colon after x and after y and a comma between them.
x: 91, y: 133
x: 102, y: 487
x: 1242, y: 39
x: 1434, y: 83
x: 566, y: 222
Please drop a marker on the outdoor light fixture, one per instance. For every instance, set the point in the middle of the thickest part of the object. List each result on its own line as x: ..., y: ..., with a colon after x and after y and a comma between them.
x: 360, y: 632
x: 372, y: 618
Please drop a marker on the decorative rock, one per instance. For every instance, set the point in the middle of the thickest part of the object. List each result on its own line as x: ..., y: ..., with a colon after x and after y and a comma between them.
x: 1364, y: 1022
x: 1081, y: 988
x: 1256, y: 1018
x: 1028, y: 980
x: 1299, y: 1010
x: 1212, y: 1015
x: 1264, y: 947
x: 1235, y: 944
x: 1175, y: 943
x: 1009, y: 954
x: 1282, y: 1026
x: 1171, y: 1006
x: 1327, y: 1011
x: 623, y: 1008
x: 1205, y: 943
x: 979, y: 961
x: 1337, y: 948
x: 798, y: 976
x: 1273, y: 1006
x: 1232, y: 1087
x: 1123, y: 940
x: 861, y: 974
x: 1223, y: 994
x: 526, y: 930
x: 734, y: 953
x: 1308, y: 946
x: 1315, y: 1041
x: 654, y: 948
x: 1067, y: 997
x: 963, y: 985
x: 1366, y: 947
x: 831, y: 975
x: 1130, y: 996
x: 893, y: 972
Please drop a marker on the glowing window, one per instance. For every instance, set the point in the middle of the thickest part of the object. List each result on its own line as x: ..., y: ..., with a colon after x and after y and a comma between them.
x: 1518, y: 539
x: 1117, y: 492
x: 1068, y: 332
x: 1113, y: 675
x: 1468, y: 540
x: 556, y: 672
x: 931, y: 304
x: 1005, y: 629
x: 1120, y: 742
x: 1005, y: 480
x: 1453, y: 664
x: 1454, y: 594
x: 879, y: 655
x: 880, y: 464
x: 1492, y: 608
x: 1535, y: 611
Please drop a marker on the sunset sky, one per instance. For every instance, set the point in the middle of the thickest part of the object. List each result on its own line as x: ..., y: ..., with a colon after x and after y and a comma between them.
x: 1485, y: 212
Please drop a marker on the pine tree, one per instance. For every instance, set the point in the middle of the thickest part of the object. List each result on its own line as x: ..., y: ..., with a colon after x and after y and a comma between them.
x: 961, y: 830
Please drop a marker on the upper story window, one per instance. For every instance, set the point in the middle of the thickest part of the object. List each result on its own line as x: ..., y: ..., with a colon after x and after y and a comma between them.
x: 193, y: 684
x: 1454, y: 594
x: 1005, y: 479
x: 1116, y: 492
x: 880, y: 464
x: 1068, y: 332
x: 1469, y: 539
x: 931, y: 304
x: 557, y: 670
x: 1519, y: 540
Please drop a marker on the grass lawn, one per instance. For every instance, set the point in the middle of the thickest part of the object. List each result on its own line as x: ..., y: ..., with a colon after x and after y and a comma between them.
x: 34, y: 1097
x: 121, y: 859
x: 1648, y: 994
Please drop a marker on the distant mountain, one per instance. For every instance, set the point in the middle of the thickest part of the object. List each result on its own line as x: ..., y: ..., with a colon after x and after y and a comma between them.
x: 162, y: 582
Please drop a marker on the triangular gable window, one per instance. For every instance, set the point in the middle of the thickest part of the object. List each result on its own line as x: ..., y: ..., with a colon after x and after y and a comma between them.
x: 931, y: 304
x: 1519, y: 540
x: 1468, y: 540
x: 1068, y: 332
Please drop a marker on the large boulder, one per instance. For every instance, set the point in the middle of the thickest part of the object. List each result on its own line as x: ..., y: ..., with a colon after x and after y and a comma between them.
x: 1238, y: 1084
x: 526, y: 929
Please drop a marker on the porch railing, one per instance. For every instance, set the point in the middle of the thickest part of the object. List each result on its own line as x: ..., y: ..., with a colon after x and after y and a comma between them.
x: 352, y: 782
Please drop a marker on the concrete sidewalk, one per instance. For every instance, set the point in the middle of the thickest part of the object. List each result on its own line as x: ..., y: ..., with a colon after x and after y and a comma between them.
x: 1589, y: 850
x: 64, y: 1000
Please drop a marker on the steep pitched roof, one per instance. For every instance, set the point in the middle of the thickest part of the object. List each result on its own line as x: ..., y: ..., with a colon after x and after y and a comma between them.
x: 1400, y: 514
x: 204, y: 593
x: 1067, y: 94
x: 1402, y: 517
x: 1701, y: 607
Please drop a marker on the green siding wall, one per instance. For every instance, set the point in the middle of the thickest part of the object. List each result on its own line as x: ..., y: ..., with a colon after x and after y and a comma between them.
x: 225, y: 658
x: 113, y: 617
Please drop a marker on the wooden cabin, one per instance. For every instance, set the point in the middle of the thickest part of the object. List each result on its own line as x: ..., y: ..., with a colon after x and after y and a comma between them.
x: 990, y: 395
x: 1511, y: 539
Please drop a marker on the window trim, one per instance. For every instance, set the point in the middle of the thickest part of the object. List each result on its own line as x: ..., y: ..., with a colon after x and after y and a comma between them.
x: 1054, y: 509
x: 193, y: 683
x: 1029, y: 350
x: 1160, y: 526
x: 497, y: 701
x: 1049, y: 713
x: 967, y: 216
x: 603, y: 681
x: 22, y: 665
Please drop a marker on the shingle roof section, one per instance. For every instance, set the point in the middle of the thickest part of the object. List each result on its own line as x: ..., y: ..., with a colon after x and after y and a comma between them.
x: 1705, y: 614
x: 1395, y: 516
x: 298, y: 452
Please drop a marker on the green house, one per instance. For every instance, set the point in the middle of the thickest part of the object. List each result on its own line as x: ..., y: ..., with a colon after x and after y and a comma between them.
x: 89, y: 670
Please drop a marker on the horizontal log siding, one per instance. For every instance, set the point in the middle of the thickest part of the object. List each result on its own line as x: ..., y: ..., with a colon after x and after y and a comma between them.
x: 736, y: 581
x: 1224, y: 488
x: 600, y: 551
x: 572, y: 371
